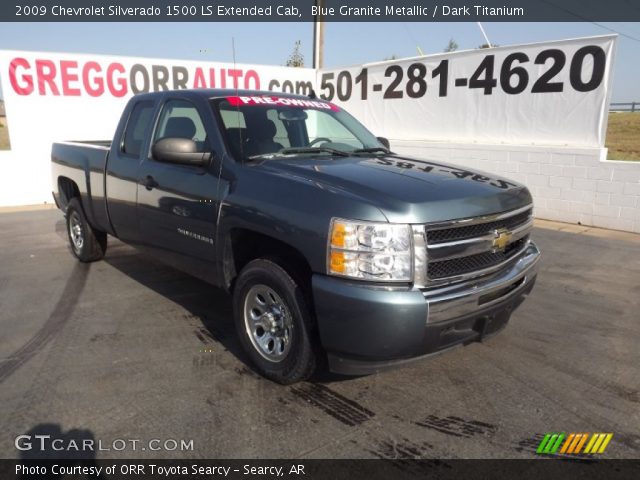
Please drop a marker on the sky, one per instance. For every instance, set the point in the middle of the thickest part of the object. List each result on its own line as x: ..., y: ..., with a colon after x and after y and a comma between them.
x: 345, y: 43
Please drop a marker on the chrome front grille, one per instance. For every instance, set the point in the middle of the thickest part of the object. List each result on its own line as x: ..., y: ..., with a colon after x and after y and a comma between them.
x: 472, y: 263
x: 473, y: 247
x: 478, y: 229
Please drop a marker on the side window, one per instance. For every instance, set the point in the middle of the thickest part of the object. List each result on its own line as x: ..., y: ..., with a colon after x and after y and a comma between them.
x: 139, y: 120
x: 180, y: 118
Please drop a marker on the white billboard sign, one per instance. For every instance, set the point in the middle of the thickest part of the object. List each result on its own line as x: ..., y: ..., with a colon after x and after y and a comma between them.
x: 552, y: 93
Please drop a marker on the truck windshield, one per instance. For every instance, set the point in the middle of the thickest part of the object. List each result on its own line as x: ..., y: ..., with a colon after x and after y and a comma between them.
x: 273, y: 126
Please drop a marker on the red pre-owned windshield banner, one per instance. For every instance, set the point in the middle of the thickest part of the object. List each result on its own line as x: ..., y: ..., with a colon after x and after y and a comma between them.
x: 265, y: 100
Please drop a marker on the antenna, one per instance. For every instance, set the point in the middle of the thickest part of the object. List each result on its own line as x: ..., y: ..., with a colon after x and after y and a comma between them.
x: 233, y: 54
x: 484, y: 34
x: 235, y: 80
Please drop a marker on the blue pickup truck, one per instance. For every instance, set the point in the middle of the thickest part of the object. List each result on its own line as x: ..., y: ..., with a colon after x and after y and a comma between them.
x: 334, y: 248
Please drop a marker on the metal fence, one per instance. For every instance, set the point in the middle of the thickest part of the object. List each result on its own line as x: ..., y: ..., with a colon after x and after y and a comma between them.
x: 625, y: 107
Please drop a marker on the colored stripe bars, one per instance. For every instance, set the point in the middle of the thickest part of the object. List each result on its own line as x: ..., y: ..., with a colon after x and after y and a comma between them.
x: 573, y: 443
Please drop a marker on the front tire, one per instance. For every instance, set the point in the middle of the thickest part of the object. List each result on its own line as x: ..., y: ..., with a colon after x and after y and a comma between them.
x: 87, y: 244
x: 273, y: 322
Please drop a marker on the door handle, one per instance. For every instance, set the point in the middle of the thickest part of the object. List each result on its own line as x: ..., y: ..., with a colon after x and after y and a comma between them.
x: 149, y: 182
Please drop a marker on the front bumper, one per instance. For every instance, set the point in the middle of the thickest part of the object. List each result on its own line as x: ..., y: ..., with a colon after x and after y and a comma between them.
x: 366, y: 328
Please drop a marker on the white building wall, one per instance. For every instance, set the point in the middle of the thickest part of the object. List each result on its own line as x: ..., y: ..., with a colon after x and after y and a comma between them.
x: 573, y: 185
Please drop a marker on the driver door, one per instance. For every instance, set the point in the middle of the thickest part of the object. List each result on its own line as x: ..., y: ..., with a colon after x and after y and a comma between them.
x: 177, y: 204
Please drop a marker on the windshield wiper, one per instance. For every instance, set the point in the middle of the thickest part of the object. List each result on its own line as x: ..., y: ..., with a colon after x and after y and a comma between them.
x: 333, y: 151
x: 372, y: 150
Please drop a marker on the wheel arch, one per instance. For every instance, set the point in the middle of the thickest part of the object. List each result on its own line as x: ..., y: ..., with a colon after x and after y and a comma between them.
x: 243, y: 245
x: 67, y: 189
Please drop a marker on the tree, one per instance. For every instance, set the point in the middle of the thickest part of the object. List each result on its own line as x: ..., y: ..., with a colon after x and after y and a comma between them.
x: 452, y: 46
x: 296, y: 59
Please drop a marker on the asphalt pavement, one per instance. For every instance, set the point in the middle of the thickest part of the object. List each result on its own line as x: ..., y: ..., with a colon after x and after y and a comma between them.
x: 127, y: 350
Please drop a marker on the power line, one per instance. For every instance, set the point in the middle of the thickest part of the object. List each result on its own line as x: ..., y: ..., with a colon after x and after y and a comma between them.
x: 615, y: 31
x: 577, y: 15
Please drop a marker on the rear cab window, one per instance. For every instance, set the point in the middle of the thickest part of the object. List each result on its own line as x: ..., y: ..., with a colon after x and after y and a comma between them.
x: 136, y: 129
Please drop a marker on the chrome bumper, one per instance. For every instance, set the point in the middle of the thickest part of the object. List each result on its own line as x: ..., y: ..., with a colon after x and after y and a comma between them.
x: 460, y: 300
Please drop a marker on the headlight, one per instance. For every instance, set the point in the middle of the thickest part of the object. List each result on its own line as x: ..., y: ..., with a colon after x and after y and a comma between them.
x: 370, y: 251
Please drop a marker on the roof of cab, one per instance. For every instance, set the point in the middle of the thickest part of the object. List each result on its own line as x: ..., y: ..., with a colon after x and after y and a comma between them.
x: 217, y: 93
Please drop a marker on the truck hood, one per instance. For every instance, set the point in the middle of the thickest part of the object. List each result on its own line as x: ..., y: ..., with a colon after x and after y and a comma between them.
x: 405, y: 189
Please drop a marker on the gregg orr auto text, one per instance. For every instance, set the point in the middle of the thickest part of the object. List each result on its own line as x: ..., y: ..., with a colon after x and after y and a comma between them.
x: 44, y: 77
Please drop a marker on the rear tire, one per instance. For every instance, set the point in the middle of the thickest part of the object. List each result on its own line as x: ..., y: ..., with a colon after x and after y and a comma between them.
x: 273, y: 322
x: 87, y: 243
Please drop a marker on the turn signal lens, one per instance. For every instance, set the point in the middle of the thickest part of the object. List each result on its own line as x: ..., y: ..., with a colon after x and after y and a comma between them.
x: 343, y: 235
x: 337, y: 235
x: 337, y: 262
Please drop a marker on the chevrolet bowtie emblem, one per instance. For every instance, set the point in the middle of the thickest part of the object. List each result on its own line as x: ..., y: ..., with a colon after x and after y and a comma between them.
x: 502, y: 239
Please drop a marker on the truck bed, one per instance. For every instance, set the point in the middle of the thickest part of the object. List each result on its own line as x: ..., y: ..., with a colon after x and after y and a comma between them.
x: 92, y: 143
x: 84, y: 163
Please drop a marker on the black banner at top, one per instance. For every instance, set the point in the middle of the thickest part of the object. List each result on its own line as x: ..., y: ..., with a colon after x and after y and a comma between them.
x: 309, y: 10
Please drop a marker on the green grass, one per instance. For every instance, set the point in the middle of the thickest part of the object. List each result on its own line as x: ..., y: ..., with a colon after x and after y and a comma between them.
x: 623, y: 136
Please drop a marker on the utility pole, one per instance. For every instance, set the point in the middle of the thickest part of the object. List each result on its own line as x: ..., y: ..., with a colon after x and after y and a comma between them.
x: 318, y: 36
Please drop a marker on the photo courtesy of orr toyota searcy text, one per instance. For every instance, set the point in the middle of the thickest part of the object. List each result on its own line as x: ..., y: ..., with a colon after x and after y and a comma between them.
x: 95, y: 78
x: 160, y: 470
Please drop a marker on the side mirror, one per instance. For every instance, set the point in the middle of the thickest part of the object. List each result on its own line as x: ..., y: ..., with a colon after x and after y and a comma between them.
x: 179, y: 150
x: 385, y: 142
